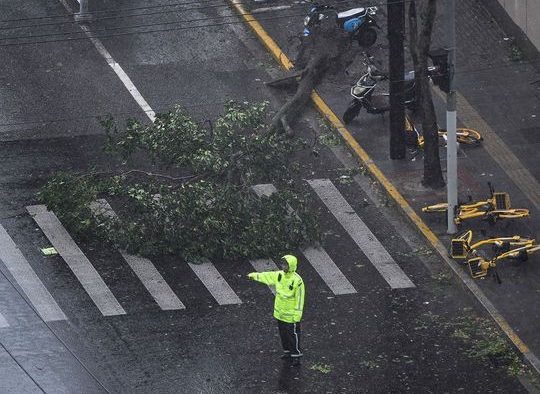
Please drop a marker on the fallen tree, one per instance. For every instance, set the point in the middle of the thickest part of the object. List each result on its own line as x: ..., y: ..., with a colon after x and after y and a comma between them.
x: 185, y: 188
x: 326, y: 49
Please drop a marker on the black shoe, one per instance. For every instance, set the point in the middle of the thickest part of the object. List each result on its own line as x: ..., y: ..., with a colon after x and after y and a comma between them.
x: 295, y: 361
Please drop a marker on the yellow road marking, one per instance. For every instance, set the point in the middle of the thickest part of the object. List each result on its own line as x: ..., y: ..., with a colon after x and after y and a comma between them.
x: 286, y: 63
x: 268, y: 42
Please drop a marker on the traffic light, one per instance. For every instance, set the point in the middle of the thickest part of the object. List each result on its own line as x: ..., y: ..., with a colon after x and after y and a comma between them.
x: 440, y: 76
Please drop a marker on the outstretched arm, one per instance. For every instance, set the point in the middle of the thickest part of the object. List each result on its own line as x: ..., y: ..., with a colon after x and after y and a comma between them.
x: 269, y: 278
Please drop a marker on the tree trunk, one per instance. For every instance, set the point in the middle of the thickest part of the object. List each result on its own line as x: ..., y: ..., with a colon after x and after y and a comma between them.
x: 311, y: 75
x: 396, y: 19
x: 432, y: 164
x: 326, y: 49
x: 413, y: 48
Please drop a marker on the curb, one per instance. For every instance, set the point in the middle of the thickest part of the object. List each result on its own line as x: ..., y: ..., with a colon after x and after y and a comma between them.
x: 325, y: 110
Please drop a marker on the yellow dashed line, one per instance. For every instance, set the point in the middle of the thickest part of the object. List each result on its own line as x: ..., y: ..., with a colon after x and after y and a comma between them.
x: 286, y: 63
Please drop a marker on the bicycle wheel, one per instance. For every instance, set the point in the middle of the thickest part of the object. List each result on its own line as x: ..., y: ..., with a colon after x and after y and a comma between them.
x: 463, y: 135
x: 441, y: 207
x: 468, y: 136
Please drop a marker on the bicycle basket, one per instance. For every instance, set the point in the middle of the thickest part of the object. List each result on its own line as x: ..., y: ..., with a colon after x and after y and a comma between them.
x: 458, y: 249
x: 502, y: 200
x: 475, y: 267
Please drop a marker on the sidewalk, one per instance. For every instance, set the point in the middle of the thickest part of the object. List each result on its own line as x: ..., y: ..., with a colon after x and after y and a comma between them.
x: 496, y: 91
x: 499, y: 93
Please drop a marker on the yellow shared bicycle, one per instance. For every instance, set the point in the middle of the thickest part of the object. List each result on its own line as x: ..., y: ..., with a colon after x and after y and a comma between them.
x: 479, y: 266
x: 463, y: 135
x: 494, y: 208
x: 462, y: 246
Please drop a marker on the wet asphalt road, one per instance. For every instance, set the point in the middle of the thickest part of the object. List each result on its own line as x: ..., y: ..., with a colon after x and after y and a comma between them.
x: 377, y: 340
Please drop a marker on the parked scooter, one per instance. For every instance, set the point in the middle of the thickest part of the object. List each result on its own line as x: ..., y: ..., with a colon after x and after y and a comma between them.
x: 362, y: 93
x: 358, y: 22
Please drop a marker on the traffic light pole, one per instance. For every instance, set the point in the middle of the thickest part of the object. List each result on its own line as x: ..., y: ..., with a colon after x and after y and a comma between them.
x: 451, y: 143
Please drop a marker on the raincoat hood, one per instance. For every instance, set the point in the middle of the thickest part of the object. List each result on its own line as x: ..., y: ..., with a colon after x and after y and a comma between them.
x: 292, y: 261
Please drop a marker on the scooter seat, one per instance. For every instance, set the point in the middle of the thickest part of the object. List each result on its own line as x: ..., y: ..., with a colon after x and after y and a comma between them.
x: 352, y: 13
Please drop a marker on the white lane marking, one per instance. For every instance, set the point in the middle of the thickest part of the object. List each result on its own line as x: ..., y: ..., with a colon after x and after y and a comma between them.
x: 76, y: 260
x: 215, y: 283
x: 328, y: 270
x: 132, y: 89
x: 262, y: 265
x: 27, y: 279
x: 143, y: 268
x: 361, y: 234
x: 317, y: 256
x: 3, y: 321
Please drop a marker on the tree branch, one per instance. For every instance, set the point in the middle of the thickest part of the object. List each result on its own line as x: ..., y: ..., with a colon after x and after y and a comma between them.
x: 151, y: 174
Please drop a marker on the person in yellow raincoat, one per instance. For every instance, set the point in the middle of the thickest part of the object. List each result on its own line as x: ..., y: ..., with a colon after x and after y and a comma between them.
x: 288, y: 303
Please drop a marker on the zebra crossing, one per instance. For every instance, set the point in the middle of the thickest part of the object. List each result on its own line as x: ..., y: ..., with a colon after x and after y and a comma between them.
x: 207, y: 273
x: 143, y: 268
x: 361, y: 234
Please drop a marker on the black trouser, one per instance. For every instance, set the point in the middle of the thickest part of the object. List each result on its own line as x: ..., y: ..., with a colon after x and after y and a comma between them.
x: 290, y: 338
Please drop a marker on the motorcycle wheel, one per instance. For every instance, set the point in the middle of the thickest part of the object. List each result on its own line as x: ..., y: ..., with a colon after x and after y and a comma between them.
x: 367, y: 37
x: 352, y: 111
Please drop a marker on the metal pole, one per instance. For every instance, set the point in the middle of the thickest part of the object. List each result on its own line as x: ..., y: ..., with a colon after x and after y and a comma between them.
x: 451, y: 143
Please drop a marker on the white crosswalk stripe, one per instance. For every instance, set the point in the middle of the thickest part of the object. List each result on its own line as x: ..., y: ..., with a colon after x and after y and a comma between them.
x: 27, y: 279
x: 328, y: 270
x: 76, y: 260
x: 3, y: 321
x: 215, y: 283
x: 153, y: 281
x: 317, y: 256
x: 262, y: 265
x: 144, y: 269
x: 361, y: 234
